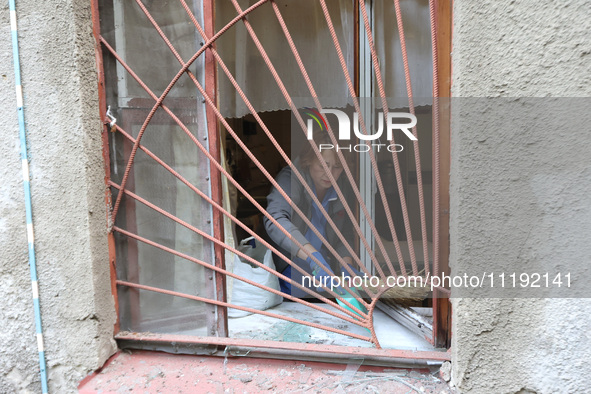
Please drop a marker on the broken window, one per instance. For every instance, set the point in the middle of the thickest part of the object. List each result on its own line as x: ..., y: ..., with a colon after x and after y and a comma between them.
x: 205, y: 114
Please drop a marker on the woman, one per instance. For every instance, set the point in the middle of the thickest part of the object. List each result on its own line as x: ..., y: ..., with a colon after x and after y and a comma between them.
x: 315, y: 176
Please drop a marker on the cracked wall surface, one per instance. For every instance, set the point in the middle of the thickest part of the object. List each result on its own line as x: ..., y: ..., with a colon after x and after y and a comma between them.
x: 66, y: 169
x: 520, y: 196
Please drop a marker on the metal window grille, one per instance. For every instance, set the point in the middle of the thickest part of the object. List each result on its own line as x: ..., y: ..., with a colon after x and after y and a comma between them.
x: 198, y: 117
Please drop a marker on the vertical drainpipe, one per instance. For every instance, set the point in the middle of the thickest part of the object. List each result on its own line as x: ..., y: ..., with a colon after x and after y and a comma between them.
x: 27, y: 187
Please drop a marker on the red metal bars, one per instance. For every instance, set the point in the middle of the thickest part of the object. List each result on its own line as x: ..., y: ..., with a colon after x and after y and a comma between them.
x: 282, y: 152
x: 372, y: 157
x: 436, y: 155
x: 208, y: 92
x: 224, y: 212
x: 414, y: 130
x: 230, y: 248
x: 394, y: 156
x: 220, y: 168
x: 321, y: 160
x: 255, y: 160
x: 243, y: 308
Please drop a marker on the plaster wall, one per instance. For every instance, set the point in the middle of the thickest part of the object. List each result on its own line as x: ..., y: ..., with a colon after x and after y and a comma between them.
x: 521, y: 195
x: 500, y: 48
x: 66, y: 169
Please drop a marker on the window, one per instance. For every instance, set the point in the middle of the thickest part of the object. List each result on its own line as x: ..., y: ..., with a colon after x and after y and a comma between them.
x: 209, y: 110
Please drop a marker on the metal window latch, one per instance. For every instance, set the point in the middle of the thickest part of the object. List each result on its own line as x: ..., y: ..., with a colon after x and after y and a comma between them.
x: 113, y: 120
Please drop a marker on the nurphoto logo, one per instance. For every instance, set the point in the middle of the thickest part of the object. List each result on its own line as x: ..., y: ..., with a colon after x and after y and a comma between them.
x: 401, y: 121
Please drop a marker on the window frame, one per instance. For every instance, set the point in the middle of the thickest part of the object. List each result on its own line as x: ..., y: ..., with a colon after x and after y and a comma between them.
x: 441, y: 304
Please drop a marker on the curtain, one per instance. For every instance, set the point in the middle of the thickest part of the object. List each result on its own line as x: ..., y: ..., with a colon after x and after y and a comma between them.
x: 417, y: 34
x: 309, y: 30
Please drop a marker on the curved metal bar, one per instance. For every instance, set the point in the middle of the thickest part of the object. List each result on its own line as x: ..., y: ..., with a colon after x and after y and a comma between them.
x: 370, y: 312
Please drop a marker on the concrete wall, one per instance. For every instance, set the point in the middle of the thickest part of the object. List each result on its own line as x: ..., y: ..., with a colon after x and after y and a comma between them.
x: 521, y: 196
x: 501, y: 48
x: 61, y: 110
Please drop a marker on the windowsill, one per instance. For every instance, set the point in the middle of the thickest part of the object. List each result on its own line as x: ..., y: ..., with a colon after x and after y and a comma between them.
x: 144, y: 371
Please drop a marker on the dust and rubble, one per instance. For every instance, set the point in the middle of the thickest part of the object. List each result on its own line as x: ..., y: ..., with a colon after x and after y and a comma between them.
x: 161, y: 372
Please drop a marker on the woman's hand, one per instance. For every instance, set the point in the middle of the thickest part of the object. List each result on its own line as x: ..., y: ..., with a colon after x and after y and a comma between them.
x: 321, y: 275
x: 316, y: 269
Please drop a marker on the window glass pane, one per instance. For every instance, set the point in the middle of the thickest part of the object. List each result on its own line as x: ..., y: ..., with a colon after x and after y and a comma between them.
x: 127, y: 29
